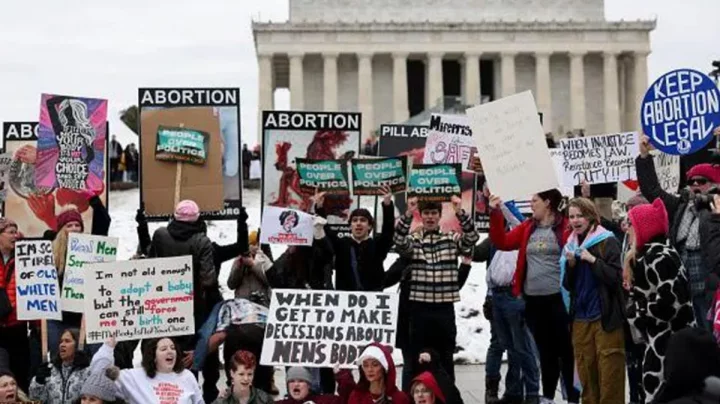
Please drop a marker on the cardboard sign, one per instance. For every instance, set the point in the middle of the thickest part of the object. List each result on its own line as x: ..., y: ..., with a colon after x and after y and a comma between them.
x: 434, y: 182
x: 449, y: 141
x: 71, y: 143
x: 5, y: 164
x: 324, y: 175
x: 558, y: 160
x: 680, y: 111
x: 289, y: 135
x: 371, y: 175
x: 140, y: 299
x: 667, y: 168
x: 286, y: 227
x: 322, y: 328
x: 181, y: 144
x: 512, y: 147
x: 409, y: 141
x: 36, y: 280
x: 216, y: 186
x: 599, y: 159
x: 32, y: 207
x: 83, y: 249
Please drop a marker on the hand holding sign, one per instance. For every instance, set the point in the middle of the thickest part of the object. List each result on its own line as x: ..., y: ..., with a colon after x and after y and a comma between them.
x: 412, y: 206
x: 495, y: 201
x: 318, y: 198
x: 644, y: 146
x: 387, y: 195
x: 456, y: 203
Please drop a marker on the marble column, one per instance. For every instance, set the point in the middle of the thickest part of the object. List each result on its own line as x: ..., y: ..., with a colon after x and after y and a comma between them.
x: 401, y: 110
x: 435, y: 78
x: 507, y: 73
x: 640, y: 82
x: 542, y: 87
x: 611, y: 96
x: 330, y: 84
x: 365, y: 93
x: 265, y: 90
x: 472, y: 78
x: 297, y: 96
x: 577, y: 90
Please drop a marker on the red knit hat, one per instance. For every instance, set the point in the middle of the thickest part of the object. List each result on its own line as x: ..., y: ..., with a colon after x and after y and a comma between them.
x: 428, y: 380
x: 705, y: 170
x: 649, y: 221
x: 70, y: 215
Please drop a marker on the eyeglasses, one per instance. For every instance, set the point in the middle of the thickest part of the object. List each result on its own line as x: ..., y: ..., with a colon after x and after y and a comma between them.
x: 422, y: 391
x: 697, y: 181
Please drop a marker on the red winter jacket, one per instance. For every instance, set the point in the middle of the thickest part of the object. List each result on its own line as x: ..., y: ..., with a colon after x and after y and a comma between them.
x: 5, y: 269
x: 361, y: 392
x: 517, y: 239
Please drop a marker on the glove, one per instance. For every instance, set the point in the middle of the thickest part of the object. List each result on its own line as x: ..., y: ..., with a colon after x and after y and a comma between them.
x: 243, y: 215
x: 319, y: 228
x: 43, y: 373
x: 488, y: 309
x: 140, y: 215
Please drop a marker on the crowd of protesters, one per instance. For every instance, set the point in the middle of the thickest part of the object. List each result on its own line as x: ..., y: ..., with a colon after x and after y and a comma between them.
x: 124, y: 163
x: 576, y: 300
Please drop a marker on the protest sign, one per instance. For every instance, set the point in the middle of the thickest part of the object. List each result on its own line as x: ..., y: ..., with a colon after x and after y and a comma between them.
x: 599, y: 159
x: 556, y: 155
x: 286, y: 226
x: 33, y: 207
x: 36, y: 280
x: 434, y: 182
x: 289, y: 135
x: 371, y: 175
x: 216, y: 185
x: 667, y: 168
x: 323, y: 328
x: 409, y: 141
x: 71, y: 143
x: 5, y: 164
x: 139, y: 299
x: 680, y: 111
x: 449, y: 141
x: 512, y: 147
x: 83, y: 249
x: 323, y: 175
x: 181, y: 144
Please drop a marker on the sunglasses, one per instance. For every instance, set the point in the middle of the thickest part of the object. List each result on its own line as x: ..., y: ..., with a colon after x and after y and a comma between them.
x: 697, y: 181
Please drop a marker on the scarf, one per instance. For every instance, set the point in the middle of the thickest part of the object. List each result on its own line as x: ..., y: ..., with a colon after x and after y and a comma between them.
x: 597, y: 236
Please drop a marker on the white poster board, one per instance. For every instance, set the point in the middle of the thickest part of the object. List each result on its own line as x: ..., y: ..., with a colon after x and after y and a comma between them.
x: 449, y: 141
x: 83, y: 249
x: 667, y: 167
x: 599, y: 159
x: 317, y: 328
x: 139, y: 299
x: 557, y: 157
x: 36, y: 280
x: 511, y: 144
x: 286, y: 227
x: 255, y: 170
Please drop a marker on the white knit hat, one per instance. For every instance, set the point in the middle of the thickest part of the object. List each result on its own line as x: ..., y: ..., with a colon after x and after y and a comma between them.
x: 373, y: 352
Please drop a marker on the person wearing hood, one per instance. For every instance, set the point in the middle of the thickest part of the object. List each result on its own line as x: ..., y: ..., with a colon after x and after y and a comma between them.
x: 61, y: 381
x: 377, y: 383
x: 425, y: 390
x: 685, y: 218
x: 692, y: 369
x: 299, y: 387
x: 359, y: 258
x: 662, y: 304
x: 593, y: 276
x: 439, y: 382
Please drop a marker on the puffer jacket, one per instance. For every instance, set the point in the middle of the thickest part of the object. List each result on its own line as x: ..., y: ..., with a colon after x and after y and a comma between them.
x: 65, y: 381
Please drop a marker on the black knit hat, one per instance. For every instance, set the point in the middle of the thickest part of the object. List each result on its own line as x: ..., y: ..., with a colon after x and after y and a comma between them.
x: 362, y: 212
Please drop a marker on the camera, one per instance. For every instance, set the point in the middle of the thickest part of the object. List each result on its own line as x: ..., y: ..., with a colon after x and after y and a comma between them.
x: 704, y: 201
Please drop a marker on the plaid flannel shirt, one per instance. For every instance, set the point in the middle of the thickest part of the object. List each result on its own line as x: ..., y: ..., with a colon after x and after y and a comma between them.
x: 434, y: 259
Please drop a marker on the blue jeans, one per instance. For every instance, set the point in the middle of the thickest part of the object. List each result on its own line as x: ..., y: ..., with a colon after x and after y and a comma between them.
x: 204, y: 334
x: 493, y: 360
x: 509, y: 317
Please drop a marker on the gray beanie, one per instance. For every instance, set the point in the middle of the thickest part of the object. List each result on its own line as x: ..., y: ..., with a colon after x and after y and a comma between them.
x: 299, y: 373
x: 100, y: 386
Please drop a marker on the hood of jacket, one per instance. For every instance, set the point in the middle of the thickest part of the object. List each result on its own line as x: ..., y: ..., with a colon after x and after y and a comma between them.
x: 390, y: 374
x: 183, y: 231
x: 429, y: 381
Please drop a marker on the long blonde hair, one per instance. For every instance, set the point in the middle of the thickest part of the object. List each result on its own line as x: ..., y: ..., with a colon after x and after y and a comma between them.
x: 60, y: 250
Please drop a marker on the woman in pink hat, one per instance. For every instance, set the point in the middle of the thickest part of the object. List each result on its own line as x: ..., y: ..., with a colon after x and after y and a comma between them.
x: 661, y: 289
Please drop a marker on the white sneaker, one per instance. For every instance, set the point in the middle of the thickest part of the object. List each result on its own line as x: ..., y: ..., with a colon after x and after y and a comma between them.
x: 544, y: 400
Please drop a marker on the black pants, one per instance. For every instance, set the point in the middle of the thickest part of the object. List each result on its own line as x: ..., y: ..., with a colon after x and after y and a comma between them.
x: 211, y: 375
x: 432, y: 326
x: 247, y: 337
x: 16, y: 342
x: 550, y: 325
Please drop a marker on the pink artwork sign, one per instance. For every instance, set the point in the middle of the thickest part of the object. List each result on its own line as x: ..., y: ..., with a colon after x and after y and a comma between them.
x: 71, y: 143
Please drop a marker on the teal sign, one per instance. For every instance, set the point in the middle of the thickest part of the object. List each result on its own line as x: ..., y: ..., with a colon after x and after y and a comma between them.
x: 323, y: 175
x: 371, y: 175
x: 181, y: 144
x: 435, y: 182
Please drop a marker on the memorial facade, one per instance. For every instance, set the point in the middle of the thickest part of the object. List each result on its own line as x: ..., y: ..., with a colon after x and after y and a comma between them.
x: 390, y: 61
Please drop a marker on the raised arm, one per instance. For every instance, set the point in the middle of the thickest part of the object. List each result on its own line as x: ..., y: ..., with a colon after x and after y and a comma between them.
x: 385, y: 240
x: 647, y: 178
x: 470, y: 235
x: 403, y: 244
x: 509, y: 241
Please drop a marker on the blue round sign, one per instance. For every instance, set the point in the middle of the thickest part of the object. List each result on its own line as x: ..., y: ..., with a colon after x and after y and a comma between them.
x: 680, y: 111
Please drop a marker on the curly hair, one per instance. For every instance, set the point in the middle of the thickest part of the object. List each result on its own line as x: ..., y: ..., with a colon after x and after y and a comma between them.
x: 149, y: 351
x: 289, y: 213
x: 243, y: 358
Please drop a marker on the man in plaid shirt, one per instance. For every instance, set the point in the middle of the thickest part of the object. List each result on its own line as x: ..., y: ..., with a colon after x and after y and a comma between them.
x: 433, y: 274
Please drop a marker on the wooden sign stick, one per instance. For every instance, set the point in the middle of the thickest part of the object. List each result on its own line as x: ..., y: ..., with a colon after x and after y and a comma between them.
x: 81, y: 343
x: 178, y: 178
x: 44, y: 339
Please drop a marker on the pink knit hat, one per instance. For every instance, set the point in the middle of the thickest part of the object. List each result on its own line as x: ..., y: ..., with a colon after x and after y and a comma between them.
x: 187, y: 211
x: 649, y: 221
x: 705, y: 170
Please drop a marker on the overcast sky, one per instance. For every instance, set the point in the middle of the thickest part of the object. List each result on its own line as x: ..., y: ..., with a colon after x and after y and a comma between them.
x: 107, y: 49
